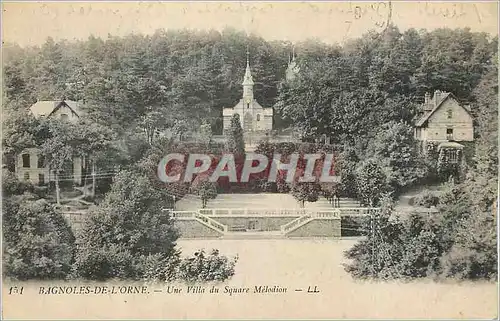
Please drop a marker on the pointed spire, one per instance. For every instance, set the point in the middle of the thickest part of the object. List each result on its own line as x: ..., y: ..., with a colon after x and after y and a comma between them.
x: 248, y: 58
x: 248, y: 80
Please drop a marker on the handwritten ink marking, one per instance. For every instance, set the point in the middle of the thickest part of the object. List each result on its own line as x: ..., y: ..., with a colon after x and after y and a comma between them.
x: 477, y: 13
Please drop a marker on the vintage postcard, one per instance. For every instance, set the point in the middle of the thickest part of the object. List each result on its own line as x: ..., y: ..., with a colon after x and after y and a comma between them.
x: 249, y: 160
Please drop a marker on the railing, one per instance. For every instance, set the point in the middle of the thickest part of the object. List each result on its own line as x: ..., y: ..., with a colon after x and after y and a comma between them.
x: 357, y: 211
x: 335, y: 214
x: 323, y: 215
x: 342, y: 211
x: 183, y: 214
x: 211, y: 222
x: 196, y: 215
x: 296, y: 223
x: 254, y: 212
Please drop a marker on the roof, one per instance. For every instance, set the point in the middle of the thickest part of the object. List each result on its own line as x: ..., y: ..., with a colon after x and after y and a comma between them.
x: 248, y: 80
x: 421, y: 122
x: 255, y: 105
x: 450, y: 145
x: 47, y: 107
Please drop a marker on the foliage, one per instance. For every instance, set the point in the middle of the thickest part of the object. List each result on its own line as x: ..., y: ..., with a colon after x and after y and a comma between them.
x: 306, y: 192
x: 12, y: 186
x: 38, y: 243
x: 204, y: 189
x: 426, y: 199
x: 235, y: 142
x: 126, y: 227
x: 458, y: 242
x: 371, y: 182
x: 202, y: 267
x: 206, y: 133
x: 395, y: 248
x: 396, y: 149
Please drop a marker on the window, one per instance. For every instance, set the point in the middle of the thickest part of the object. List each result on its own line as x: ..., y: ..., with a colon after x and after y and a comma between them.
x: 26, y: 176
x: 450, y: 113
x: 41, y: 179
x: 452, y: 155
x: 64, y: 116
x: 258, y: 117
x: 449, y: 133
x: 26, y: 160
x: 248, y: 105
x: 41, y: 161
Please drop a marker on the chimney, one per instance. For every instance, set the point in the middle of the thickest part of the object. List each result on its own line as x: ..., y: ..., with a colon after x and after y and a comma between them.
x: 427, y: 106
x: 437, y: 97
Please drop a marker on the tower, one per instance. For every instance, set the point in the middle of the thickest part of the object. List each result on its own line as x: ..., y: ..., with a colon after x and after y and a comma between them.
x: 293, y: 68
x: 248, y: 84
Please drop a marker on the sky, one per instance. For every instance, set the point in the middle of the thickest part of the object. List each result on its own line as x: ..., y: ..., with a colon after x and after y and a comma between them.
x: 30, y: 23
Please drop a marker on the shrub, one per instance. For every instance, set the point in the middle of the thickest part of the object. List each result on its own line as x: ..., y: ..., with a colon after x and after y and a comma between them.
x: 205, y: 268
x: 38, y: 243
x: 158, y: 267
x: 12, y: 186
x: 426, y: 199
x: 128, y: 225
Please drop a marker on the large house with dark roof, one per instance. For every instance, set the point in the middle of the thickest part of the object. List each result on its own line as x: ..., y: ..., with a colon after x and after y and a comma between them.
x: 30, y: 165
x: 444, y: 122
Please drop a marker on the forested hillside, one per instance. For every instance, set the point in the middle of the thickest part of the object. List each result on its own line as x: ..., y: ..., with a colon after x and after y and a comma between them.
x: 350, y: 90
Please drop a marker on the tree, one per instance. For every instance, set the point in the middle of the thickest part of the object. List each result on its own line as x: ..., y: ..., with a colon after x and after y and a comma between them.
x: 398, y: 248
x: 306, y: 192
x: 38, y: 243
x: 204, y: 189
x: 395, y: 148
x: 128, y: 226
x: 473, y: 254
x: 180, y: 129
x: 20, y: 130
x: 98, y: 144
x: 59, y: 148
x: 12, y: 186
x: 371, y: 182
x: 206, y: 133
x: 235, y: 142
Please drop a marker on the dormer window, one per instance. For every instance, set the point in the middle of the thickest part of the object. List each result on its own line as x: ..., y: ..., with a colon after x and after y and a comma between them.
x: 450, y: 113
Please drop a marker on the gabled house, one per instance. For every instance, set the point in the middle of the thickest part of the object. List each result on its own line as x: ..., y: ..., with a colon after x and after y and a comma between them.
x: 30, y: 165
x: 443, y: 123
x: 63, y: 109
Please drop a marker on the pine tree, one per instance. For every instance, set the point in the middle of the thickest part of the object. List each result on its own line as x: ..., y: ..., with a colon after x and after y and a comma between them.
x: 235, y: 142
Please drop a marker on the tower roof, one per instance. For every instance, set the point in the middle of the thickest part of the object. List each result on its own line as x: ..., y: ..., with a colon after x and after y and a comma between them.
x: 248, y: 80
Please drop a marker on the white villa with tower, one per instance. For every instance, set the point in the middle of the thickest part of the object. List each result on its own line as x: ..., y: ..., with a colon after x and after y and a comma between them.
x: 256, y: 120
x: 253, y: 117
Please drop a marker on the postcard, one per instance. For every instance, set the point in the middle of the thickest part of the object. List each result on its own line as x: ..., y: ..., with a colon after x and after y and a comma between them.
x: 250, y: 160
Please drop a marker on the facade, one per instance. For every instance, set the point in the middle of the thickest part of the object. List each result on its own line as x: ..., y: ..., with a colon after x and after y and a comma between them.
x: 254, y: 118
x: 444, y: 123
x: 30, y: 165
